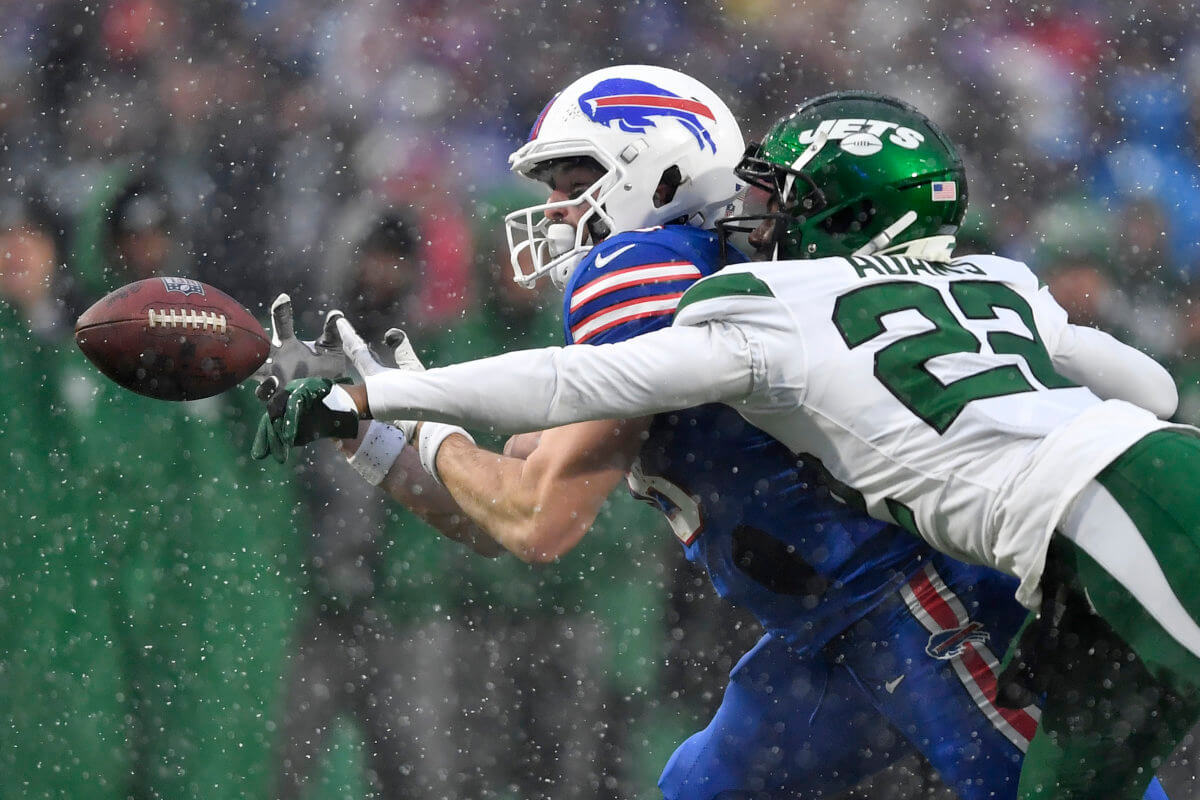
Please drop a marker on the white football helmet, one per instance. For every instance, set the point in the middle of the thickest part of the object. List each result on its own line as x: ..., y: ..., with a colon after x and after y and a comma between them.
x: 637, y: 122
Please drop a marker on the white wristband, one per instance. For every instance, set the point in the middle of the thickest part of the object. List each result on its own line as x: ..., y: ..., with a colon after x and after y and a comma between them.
x: 380, y: 447
x: 431, y: 436
x: 339, y: 399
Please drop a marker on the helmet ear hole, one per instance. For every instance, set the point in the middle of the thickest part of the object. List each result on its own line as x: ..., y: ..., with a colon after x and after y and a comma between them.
x: 671, y: 180
x: 598, y: 229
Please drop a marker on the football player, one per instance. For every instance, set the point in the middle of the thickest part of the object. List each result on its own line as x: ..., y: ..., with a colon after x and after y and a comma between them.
x: 866, y: 626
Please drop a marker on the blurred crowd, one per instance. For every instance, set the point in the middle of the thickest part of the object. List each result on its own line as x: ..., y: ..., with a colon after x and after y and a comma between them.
x: 178, y: 621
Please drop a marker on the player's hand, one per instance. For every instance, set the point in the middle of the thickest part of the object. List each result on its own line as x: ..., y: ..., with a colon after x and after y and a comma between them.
x: 292, y: 358
x: 359, y: 352
x: 356, y: 348
x: 428, y: 437
x: 305, y: 410
x: 367, y: 363
x: 402, y: 350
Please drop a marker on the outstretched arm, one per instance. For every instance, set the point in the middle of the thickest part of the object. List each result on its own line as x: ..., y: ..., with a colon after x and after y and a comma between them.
x: 537, y: 507
x: 537, y: 500
x: 540, y: 507
x: 409, y: 484
x: 530, y: 390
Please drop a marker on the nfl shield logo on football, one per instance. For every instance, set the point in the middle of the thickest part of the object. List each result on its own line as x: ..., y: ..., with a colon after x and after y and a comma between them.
x: 184, y: 286
x: 944, y: 190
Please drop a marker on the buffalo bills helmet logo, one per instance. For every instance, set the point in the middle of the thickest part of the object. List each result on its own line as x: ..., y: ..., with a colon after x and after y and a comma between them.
x: 633, y: 105
x: 952, y: 642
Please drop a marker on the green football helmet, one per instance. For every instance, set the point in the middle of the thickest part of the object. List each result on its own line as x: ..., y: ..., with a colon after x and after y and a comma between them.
x: 855, y: 173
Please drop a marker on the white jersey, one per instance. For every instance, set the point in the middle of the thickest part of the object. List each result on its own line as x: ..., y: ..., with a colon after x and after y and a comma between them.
x: 939, y: 394
x: 930, y: 389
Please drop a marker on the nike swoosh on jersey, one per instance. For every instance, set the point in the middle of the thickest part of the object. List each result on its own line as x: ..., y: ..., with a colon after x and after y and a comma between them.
x: 891, y: 685
x: 603, y: 260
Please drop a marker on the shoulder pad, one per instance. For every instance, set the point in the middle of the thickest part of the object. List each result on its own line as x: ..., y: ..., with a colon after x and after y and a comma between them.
x: 635, y: 277
x: 1004, y: 269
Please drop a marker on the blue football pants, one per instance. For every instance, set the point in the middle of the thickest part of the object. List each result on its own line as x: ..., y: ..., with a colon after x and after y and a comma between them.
x: 917, y: 674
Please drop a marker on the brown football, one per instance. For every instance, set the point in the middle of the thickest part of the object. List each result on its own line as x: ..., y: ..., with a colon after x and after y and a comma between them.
x: 172, y: 338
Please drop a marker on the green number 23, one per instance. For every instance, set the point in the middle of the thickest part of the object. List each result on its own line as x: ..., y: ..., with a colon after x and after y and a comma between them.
x: 901, y: 365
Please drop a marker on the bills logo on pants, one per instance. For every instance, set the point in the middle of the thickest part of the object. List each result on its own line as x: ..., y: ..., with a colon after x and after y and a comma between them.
x: 954, y: 636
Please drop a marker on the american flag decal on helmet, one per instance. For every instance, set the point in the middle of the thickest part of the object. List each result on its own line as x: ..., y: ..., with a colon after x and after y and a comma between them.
x: 633, y: 105
x: 944, y: 190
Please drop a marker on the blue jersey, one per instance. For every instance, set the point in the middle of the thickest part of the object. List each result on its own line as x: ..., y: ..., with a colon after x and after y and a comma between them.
x: 630, y: 283
x: 758, y: 519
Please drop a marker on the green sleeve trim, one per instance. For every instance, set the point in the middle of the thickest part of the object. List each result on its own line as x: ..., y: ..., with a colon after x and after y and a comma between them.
x: 737, y: 283
x: 903, y: 515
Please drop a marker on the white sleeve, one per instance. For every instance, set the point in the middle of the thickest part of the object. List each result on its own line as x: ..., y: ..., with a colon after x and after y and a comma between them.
x: 530, y: 390
x: 1114, y: 371
x: 1092, y: 358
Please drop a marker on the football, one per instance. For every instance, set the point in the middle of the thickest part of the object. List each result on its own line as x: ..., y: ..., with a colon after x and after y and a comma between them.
x: 172, y: 338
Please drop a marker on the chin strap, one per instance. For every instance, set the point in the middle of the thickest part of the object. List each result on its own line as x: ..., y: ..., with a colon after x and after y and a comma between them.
x: 885, y: 236
x: 929, y: 248
x: 562, y: 271
x: 563, y: 242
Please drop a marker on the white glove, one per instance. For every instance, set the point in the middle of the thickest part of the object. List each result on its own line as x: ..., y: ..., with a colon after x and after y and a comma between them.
x: 360, y: 356
x: 402, y: 350
x: 292, y: 358
x: 432, y: 434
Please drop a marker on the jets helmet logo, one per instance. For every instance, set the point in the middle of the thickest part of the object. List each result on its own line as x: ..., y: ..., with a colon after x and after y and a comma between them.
x: 864, y: 137
x: 633, y: 105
